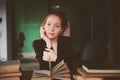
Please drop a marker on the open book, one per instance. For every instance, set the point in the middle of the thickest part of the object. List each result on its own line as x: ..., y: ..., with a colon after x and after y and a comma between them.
x: 101, y: 68
x: 60, y: 71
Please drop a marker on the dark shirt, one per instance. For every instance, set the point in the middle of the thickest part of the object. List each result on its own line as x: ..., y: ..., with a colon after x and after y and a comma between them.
x: 64, y: 51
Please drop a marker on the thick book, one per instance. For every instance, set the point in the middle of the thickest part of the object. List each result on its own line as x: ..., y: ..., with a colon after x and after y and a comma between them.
x: 60, y: 71
x: 79, y: 77
x: 10, y: 78
x: 101, y: 68
x: 83, y: 73
x: 9, y: 66
x: 13, y: 74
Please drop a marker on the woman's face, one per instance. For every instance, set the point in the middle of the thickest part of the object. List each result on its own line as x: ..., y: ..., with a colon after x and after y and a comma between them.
x: 53, y: 27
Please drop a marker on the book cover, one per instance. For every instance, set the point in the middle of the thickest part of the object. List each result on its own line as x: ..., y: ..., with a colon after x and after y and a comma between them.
x: 10, y: 78
x: 101, y: 68
x: 60, y: 71
x: 10, y: 74
x: 41, y: 78
x: 82, y: 72
x: 79, y: 77
x: 9, y: 66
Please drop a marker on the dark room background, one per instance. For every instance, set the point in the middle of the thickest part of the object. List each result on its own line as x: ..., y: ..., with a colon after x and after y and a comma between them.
x: 90, y: 20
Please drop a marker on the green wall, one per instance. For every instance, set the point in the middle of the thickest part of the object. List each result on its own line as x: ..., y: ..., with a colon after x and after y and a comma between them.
x: 29, y: 15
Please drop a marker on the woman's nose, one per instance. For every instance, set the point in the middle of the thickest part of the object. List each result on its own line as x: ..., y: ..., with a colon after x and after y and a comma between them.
x: 52, y: 28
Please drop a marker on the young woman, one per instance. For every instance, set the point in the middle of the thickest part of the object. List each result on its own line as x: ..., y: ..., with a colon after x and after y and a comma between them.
x: 53, y: 46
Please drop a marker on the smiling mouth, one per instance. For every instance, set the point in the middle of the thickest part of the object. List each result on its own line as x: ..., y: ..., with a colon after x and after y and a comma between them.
x: 51, y: 33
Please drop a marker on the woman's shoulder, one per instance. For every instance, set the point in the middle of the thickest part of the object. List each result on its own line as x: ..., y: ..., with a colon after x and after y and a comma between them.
x: 65, y: 38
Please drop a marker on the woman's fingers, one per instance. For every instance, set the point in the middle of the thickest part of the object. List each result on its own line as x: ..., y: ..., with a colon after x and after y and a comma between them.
x: 42, y: 32
x: 49, y: 56
x: 45, y: 56
x: 44, y: 37
x: 48, y: 50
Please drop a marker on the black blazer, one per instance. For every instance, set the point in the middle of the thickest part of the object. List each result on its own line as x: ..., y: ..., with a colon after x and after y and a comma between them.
x: 64, y: 51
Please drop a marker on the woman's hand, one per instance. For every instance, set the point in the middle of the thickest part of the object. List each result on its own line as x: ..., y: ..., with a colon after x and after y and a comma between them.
x: 44, y: 37
x: 49, y: 55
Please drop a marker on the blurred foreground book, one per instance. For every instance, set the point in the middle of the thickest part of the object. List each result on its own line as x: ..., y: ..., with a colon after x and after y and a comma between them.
x: 10, y: 70
x: 60, y: 71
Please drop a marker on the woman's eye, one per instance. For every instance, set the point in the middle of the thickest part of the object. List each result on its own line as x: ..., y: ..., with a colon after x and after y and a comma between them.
x: 57, y: 26
x: 48, y: 24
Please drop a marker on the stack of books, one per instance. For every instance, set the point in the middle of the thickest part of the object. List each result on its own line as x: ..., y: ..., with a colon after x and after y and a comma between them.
x: 10, y: 70
x: 99, y: 70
